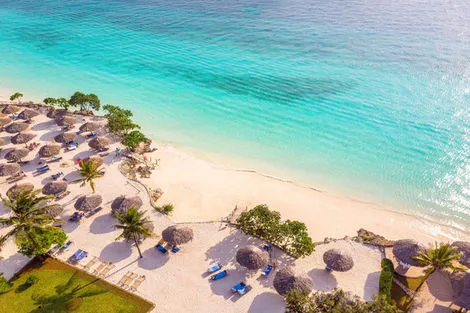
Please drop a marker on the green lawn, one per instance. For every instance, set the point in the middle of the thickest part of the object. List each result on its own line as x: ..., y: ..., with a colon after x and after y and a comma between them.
x: 403, y: 301
x: 63, y: 288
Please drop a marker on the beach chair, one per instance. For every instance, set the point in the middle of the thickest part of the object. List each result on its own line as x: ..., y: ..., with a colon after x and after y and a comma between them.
x: 175, y: 249
x: 138, y: 281
x: 76, y: 217
x: 70, y: 148
x: 219, y: 275
x: 53, y: 250
x: 63, y: 195
x: 127, y: 282
x: 268, y: 247
x: 91, y: 135
x: 124, y: 278
x: 162, y: 249
x: 245, y: 290
x: 42, y: 167
x: 94, y: 211
x: 100, y: 267
x: 238, y: 287
x: 90, y: 263
x: 78, y: 256
x: 56, y: 176
x: 267, y: 270
x: 22, y: 162
x: 54, y: 159
x: 106, y: 270
x: 214, y: 268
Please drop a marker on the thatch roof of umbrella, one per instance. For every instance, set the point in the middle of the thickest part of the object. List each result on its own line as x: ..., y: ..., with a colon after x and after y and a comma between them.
x: 96, y: 159
x: 464, y: 300
x: 2, y: 141
x: 9, y: 169
x: 65, y: 120
x: 16, y: 154
x: 89, y: 127
x: 338, y: 260
x: 18, y: 189
x: 122, y: 203
x: 457, y: 280
x: 405, y: 250
x: 65, y: 137
x: 16, y: 127
x: 285, y: 280
x: 28, y: 114
x: 47, y: 151
x: 464, y: 248
x: 99, y: 143
x: 54, y: 210
x: 252, y: 257
x: 88, y: 203
x: 9, y: 109
x: 4, y: 121
x: 56, y: 113
x: 54, y: 188
x: 176, y: 235
x: 21, y: 138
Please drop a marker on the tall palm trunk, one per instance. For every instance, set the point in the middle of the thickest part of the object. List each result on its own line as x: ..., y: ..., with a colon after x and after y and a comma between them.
x: 137, y: 245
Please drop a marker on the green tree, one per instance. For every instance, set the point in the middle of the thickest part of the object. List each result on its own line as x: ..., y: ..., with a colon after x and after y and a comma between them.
x: 132, y: 139
x: 133, y: 225
x: 62, y: 103
x: 439, y: 257
x: 89, y: 171
x: 294, y: 239
x: 298, y: 302
x: 50, y: 101
x: 119, y: 120
x: 85, y: 101
x: 386, y: 278
x: 16, y: 96
x: 31, y: 225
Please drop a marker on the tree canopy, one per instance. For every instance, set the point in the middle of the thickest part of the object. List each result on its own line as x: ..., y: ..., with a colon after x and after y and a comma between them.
x: 16, y: 96
x: 85, y: 101
x: 439, y: 257
x: 133, y: 225
x: 119, y: 120
x: 90, y: 171
x: 60, y: 102
x: 132, y: 139
x: 290, y: 236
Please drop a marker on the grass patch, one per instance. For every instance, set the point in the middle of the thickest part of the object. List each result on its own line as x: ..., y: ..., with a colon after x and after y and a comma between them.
x: 63, y: 288
x: 412, y: 283
x: 402, y: 300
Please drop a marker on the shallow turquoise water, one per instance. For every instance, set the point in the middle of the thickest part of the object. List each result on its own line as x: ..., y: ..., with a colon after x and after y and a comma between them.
x: 370, y: 98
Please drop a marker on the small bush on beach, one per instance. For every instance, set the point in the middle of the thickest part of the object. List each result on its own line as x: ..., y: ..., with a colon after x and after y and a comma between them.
x: 290, y: 236
x: 31, y: 280
x: 165, y: 209
x: 132, y: 139
x: 4, y: 284
x: 119, y: 120
x: 386, y: 279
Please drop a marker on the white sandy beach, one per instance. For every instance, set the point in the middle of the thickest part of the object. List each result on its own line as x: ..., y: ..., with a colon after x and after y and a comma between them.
x: 203, y: 194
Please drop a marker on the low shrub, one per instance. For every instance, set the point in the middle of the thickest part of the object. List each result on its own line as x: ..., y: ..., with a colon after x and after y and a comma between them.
x: 31, y: 280
x: 386, y: 279
x: 166, y: 209
x: 4, y: 284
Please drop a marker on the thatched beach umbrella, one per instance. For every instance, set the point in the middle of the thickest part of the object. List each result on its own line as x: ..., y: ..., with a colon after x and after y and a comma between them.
x: 65, y: 137
x: 5, y: 120
x: 99, y: 143
x: 16, y: 190
x: 16, y: 127
x: 28, y: 114
x: 95, y: 159
x: 464, y: 248
x: 88, y: 203
x: 457, y: 280
x: 9, y: 169
x: 405, y: 250
x: 47, y: 151
x: 285, y: 280
x: 65, y: 120
x: 89, y: 127
x: 176, y: 235
x: 16, y: 154
x: 54, y: 210
x: 54, y: 188
x: 338, y: 260
x: 9, y: 109
x: 464, y: 299
x: 21, y: 138
x: 56, y: 113
x: 252, y: 257
x: 122, y: 204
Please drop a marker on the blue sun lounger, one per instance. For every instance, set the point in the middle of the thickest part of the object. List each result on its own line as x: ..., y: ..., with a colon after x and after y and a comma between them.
x: 161, y: 249
x: 81, y: 256
x: 219, y: 275
x: 64, y: 247
x: 53, y: 250
x: 214, y: 268
x: 76, y: 254
x: 241, y: 288
x: 267, y: 270
x: 175, y: 249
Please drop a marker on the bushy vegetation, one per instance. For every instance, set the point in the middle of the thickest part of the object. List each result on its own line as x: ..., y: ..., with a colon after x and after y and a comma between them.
x: 16, y: 96
x: 386, y: 279
x: 31, y: 280
x: 119, y: 120
x: 60, y: 102
x: 85, y: 101
x: 335, y: 302
x: 132, y: 139
x: 165, y: 209
x: 290, y: 236
x: 440, y: 257
x: 4, y: 284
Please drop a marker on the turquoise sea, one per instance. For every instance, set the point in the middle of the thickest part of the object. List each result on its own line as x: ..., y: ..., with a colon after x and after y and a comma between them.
x: 370, y: 98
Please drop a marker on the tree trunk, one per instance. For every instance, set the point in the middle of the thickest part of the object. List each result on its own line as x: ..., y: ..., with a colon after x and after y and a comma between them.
x: 137, y: 245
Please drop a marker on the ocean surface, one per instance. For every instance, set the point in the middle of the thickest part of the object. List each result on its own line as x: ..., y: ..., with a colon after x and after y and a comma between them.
x: 369, y: 98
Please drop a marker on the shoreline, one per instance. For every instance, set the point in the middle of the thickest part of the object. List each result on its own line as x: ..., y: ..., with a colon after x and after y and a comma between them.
x: 191, y: 157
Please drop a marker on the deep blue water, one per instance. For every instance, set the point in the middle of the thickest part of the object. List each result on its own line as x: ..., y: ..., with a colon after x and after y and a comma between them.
x: 370, y: 98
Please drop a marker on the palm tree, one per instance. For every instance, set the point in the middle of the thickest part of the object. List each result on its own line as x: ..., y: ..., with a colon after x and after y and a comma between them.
x: 439, y: 257
x: 90, y: 171
x: 133, y: 225
x: 29, y: 218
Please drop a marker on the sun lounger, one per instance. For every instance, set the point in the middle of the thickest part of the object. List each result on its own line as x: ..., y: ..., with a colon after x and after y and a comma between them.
x: 106, y: 270
x: 267, y: 270
x: 70, y: 148
x: 54, y: 159
x: 238, y: 286
x: 66, y: 246
x: 62, y: 195
x: 214, y: 268
x: 91, y: 135
x: 124, y: 278
x: 78, y: 256
x: 127, y: 282
x: 42, y: 167
x: 162, y: 249
x: 268, y: 247
x: 103, y: 149
x: 76, y: 217
x: 245, y: 290
x: 138, y: 281
x: 56, y: 176
x: 100, y: 267
x: 53, y: 250
x: 219, y: 275
x: 16, y: 178
x: 175, y: 249
x: 94, y: 211
x: 22, y: 162
x: 90, y: 263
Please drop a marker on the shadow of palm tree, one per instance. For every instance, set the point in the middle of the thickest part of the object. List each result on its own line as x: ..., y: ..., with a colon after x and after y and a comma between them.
x: 64, y: 294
